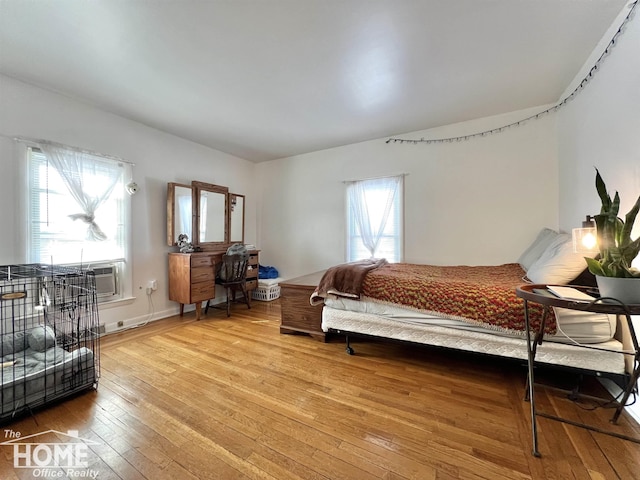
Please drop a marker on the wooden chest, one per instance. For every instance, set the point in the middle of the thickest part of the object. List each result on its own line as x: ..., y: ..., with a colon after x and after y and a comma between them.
x: 297, y: 314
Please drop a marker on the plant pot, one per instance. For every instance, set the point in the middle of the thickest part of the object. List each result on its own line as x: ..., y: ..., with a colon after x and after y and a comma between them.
x: 626, y: 290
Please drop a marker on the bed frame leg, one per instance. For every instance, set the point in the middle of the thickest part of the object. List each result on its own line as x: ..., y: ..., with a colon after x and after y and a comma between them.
x: 575, y: 393
x: 348, y: 349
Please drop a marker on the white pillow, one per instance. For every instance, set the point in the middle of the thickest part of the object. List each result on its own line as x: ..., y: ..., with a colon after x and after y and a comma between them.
x: 559, y: 264
x: 537, y: 248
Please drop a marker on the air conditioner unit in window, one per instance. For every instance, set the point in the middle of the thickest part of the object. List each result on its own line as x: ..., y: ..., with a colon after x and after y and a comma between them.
x: 106, y: 280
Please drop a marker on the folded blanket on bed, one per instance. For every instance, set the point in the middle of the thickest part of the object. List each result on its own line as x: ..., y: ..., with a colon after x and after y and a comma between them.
x: 345, y: 280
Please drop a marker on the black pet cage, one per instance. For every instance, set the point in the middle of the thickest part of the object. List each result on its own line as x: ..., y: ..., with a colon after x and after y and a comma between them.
x: 49, y: 335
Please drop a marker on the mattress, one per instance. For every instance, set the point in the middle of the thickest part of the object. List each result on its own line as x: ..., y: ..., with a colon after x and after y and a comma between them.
x: 573, y: 326
x: 399, y: 324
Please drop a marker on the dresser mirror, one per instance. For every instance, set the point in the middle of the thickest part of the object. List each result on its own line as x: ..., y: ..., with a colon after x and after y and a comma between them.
x: 179, y: 212
x: 211, y: 213
x: 236, y: 218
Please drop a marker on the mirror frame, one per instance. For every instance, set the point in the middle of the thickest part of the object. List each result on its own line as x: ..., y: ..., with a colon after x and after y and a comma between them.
x: 171, y: 216
x: 232, y: 204
x: 198, y: 188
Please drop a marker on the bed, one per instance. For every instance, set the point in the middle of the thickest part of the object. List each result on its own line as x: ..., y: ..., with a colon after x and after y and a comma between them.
x: 36, y: 370
x: 474, y: 308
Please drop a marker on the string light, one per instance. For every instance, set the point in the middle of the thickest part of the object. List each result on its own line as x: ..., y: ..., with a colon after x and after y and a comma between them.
x: 553, y: 109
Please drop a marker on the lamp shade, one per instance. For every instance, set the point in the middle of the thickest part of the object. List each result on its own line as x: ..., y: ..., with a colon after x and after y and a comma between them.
x: 585, y: 239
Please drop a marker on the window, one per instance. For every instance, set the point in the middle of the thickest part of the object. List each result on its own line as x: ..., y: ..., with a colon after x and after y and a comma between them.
x: 375, y: 218
x: 77, y: 208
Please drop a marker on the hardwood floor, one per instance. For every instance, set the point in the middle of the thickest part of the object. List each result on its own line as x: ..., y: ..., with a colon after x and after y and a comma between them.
x: 233, y: 398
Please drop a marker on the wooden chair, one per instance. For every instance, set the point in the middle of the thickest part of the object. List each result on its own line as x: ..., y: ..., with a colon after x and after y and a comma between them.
x: 233, y: 276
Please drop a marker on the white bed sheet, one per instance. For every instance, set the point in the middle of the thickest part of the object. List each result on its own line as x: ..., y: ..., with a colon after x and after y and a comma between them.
x: 574, y: 326
x: 392, y: 322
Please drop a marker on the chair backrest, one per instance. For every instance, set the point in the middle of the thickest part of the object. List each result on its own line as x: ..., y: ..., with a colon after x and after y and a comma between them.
x: 236, y: 248
x: 234, y: 268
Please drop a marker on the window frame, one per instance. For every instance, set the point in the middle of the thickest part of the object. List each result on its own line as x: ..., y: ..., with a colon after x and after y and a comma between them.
x: 398, y: 234
x: 124, y: 275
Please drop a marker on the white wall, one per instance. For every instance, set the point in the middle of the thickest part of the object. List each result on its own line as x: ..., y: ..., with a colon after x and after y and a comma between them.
x: 601, y: 128
x: 480, y: 201
x: 475, y: 202
x: 28, y: 111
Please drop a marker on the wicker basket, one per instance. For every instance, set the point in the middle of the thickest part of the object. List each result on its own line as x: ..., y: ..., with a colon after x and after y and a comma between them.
x: 266, y: 294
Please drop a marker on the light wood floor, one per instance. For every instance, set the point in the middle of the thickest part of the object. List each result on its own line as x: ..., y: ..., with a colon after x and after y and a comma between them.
x: 233, y: 398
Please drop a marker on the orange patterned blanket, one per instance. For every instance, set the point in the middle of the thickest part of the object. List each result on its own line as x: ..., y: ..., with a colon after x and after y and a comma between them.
x: 482, y: 295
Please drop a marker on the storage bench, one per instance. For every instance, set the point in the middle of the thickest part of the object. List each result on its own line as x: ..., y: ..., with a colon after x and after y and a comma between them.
x: 297, y: 313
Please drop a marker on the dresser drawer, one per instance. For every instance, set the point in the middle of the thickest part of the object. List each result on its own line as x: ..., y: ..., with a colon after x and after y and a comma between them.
x: 201, y: 261
x: 202, y: 274
x: 202, y: 291
x: 253, y: 260
x: 252, y: 284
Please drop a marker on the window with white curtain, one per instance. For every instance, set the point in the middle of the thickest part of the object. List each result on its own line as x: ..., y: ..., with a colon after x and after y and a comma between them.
x: 77, y: 208
x: 375, y: 219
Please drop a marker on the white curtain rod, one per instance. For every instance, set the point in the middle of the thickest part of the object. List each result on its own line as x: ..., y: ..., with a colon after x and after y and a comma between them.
x: 37, y: 141
x: 376, y: 178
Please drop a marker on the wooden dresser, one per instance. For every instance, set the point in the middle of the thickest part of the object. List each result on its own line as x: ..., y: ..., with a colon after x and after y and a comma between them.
x: 297, y: 313
x: 192, y: 277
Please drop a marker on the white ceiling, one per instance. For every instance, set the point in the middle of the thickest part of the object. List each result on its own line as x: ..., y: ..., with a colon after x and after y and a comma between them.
x: 265, y: 79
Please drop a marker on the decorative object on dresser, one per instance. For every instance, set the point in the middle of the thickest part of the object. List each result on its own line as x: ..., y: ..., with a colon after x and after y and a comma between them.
x: 214, y: 219
x: 184, y: 244
x: 297, y: 313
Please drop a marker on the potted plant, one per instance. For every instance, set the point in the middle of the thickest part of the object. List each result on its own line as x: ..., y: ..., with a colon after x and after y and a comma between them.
x: 615, y: 276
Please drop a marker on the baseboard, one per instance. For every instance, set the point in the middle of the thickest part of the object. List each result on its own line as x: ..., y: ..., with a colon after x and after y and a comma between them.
x: 114, y: 327
x: 615, y: 391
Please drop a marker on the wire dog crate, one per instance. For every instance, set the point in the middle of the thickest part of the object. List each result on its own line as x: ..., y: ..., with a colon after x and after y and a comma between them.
x: 49, y: 335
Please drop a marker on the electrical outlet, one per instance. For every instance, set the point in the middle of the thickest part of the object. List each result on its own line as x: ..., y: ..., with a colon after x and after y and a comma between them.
x: 121, y: 323
x: 152, y: 285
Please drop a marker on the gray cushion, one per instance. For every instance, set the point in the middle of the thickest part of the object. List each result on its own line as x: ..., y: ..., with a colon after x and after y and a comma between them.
x: 558, y: 264
x: 41, y: 338
x: 534, y: 251
x: 13, y: 343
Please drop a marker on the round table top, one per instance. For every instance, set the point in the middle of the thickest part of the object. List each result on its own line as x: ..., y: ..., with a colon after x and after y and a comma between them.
x: 541, y: 294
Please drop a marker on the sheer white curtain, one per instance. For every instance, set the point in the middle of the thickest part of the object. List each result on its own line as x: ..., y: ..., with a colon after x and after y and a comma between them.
x: 90, y: 181
x: 203, y: 218
x: 370, y: 203
x: 184, y: 210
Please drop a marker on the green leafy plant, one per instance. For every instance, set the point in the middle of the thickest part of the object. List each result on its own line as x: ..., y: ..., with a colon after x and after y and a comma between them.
x: 617, y: 250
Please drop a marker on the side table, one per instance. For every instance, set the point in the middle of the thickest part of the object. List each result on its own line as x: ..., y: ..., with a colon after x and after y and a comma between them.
x: 541, y: 295
x: 297, y: 313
